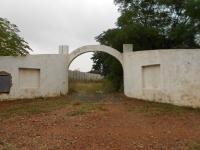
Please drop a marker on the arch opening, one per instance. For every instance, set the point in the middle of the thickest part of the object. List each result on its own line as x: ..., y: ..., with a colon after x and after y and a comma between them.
x: 95, y: 48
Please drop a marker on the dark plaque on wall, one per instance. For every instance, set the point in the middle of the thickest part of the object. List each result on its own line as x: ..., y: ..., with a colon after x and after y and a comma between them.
x: 5, y: 82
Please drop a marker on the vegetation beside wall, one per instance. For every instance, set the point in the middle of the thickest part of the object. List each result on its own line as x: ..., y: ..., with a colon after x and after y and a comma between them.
x: 11, y: 43
x: 148, y: 24
x: 103, y: 86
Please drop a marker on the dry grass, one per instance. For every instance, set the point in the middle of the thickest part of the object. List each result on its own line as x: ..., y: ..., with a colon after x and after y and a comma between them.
x: 154, y: 108
x: 40, y: 105
x: 28, y: 107
x: 85, y: 86
x: 81, y: 108
x: 102, y: 86
x: 7, y: 146
x: 193, y: 145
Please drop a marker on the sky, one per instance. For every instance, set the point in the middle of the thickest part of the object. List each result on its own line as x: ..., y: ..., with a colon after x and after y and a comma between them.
x: 46, y: 24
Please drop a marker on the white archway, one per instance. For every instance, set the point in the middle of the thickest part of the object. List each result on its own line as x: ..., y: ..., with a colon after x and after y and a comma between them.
x: 95, y: 48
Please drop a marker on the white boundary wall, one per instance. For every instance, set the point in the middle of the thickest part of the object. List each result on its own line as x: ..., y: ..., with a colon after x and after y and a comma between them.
x: 50, y: 70
x: 168, y: 76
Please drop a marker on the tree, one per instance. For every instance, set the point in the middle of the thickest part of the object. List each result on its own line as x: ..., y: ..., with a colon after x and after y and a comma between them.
x: 11, y: 44
x: 193, y: 9
x: 176, y: 20
x: 148, y: 25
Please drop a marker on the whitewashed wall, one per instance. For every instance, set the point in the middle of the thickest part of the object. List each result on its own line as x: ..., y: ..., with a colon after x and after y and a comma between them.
x: 169, y: 76
x: 36, y: 76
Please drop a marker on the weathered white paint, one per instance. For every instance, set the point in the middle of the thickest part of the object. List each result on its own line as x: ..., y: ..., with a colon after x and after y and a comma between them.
x: 29, y: 78
x: 151, y: 77
x: 95, y: 48
x: 53, y: 76
x: 168, y: 76
x: 63, y: 49
x: 179, y: 76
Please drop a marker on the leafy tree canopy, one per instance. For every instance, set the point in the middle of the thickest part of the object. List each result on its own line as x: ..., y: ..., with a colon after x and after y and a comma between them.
x: 11, y: 44
x: 149, y: 24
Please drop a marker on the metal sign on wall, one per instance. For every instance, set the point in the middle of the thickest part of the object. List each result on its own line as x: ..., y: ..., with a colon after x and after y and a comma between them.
x: 5, y: 82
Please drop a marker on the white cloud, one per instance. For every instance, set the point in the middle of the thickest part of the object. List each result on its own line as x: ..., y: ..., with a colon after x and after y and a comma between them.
x: 45, y: 24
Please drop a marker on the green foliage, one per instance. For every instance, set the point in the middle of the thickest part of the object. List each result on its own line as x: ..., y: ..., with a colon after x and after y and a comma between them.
x: 148, y: 25
x: 110, y: 68
x: 88, y: 87
x: 193, y: 9
x: 91, y: 87
x: 11, y: 44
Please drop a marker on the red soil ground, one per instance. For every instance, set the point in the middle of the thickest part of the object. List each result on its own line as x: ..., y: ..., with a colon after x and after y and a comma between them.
x: 116, y: 124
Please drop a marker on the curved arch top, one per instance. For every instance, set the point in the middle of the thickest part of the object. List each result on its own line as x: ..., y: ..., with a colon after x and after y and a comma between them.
x: 95, y: 48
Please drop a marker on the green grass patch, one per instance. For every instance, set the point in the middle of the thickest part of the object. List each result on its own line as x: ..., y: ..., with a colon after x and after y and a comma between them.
x: 85, y: 86
x: 42, y: 105
x: 193, y: 145
x: 26, y: 107
x: 153, y: 109
x: 6, y: 146
x: 82, y: 108
x: 103, y: 86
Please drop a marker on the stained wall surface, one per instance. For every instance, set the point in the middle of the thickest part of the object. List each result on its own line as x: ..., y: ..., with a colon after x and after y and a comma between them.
x: 35, y: 76
x: 169, y: 76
